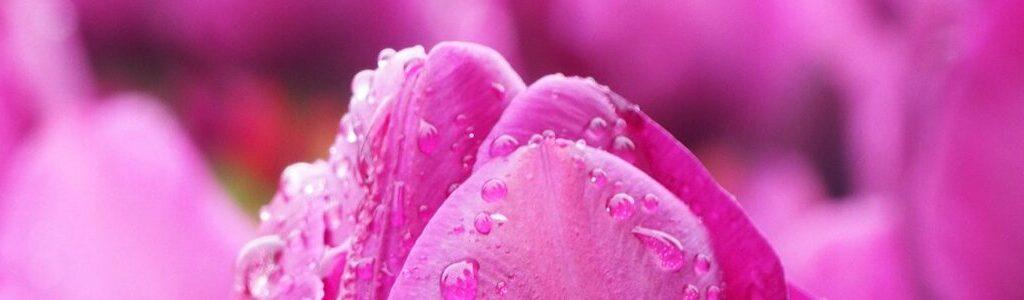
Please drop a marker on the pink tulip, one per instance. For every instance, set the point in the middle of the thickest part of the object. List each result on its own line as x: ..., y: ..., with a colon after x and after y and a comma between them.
x: 452, y: 179
x: 967, y: 190
x: 99, y: 200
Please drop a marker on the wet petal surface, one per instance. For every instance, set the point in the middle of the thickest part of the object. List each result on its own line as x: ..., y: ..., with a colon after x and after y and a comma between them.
x: 558, y: 239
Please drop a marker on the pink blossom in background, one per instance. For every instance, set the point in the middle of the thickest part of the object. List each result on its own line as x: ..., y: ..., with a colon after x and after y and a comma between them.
x: 100, y: 199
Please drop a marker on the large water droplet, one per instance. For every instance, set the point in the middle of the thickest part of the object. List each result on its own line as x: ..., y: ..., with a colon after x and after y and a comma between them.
x: 494, y: 190
x: 483, y: 223
x: 650, y: 202
x: 665, y: 247
x: 597, y: 124
x: 258, y: 264
x: 498, y: 89
x: 459, y: 280
x: 691, y: 292
x: 598, y: 177
x: 701, y: 264
x: 621, y: 206
x: 535, y: 139
x: 427, y: 138
x: 503, y: 145
x: 549, y: 134
x: 361, y: 85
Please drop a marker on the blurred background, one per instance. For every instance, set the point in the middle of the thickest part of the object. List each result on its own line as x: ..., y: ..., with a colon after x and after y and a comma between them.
x: 876, y: 143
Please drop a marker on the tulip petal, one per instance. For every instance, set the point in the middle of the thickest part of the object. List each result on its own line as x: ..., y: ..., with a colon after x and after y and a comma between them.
x: 749, y: 262
x: 560, y: 233
x: 413, y: 126
x: 94, y: 209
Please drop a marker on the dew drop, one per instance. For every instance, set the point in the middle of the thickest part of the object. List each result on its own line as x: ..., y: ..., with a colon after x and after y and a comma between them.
x: 535, y: 139
x: 701, y: 264
x: 494, y: 190
x: 665, y: 247
x: 499, y: 218
x: 459, y: 280
x: 503, y: 145
x: 258, y: 263
x: 361, y: 85
x: 427, y: 137
x: 598, y: 177
x: 384, y: 56
x: 623, y: 144
x: 483, y: 223
x: 597, y: 123
x: 621, y: 206
x: 650, y: 202
x: 714, y: 293
x: 549, y: 134
x: 620, y: 125
x: 460, y: 119
x: 498, y: 88
x: 691, y: 292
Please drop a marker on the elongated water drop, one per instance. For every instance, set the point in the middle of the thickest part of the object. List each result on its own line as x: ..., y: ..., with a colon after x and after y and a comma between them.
x: 427, y: 138
x: 503, y: 145
x: 621, y: 206
x: 665, y: 247
x: 459, y: 280
x: 701, y: 264
x: 361, y: 85
x: 494, y: 190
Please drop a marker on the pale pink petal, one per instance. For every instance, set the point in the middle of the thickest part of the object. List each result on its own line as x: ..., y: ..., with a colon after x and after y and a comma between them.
x: 575, y: 108
x: 558, y: 233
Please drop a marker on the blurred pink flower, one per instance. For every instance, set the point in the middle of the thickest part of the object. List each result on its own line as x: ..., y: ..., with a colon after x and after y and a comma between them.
x: 98, y: 200
x: 451, y: 178
x: 966, y: 193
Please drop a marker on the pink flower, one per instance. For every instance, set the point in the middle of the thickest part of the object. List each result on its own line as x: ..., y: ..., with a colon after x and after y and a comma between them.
x: 98, y: 200
x: 452, y: 178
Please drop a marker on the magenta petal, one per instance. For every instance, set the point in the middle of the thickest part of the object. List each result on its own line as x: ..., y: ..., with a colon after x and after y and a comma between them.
x: 412, y: 130
x: 969, y: 193
x: 582, y: 106
x: 94, y: 209
x: 559, y: 234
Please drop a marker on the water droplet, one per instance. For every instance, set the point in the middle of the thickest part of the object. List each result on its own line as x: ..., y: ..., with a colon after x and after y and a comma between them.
x: 621, y: 206
x: 427, y: 137
x: 294, y: 177
x: 535, y: 138
x: 494, y: 190
x: 665, y: 247
x: 714, y: 292
x: 701, y: 264
x: 499, y: 218
x: 549, y: 134
x: 623, y: 144
x: 501, y: 288
x: 650, y: 202
x: 264, y: 214
x: 460, y: 119
x: 258, y: 264
x: 459, y: 280
x: 498, y: 88
x: 384, y: 56
x: 620, y: 125
x: 597, y: 123
x: 483, y: 223
x: 503, y: 145
x: 598, y: 177
x: 361, y: 85
x: 691, y: 292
